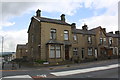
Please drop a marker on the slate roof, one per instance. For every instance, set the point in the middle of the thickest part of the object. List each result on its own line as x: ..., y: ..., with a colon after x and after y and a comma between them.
x: 112, y: 35
x: 43, y: 19
x: 21, y: 46
x: 54, y: 42
x: 58, y: 42
x: 86, y: 32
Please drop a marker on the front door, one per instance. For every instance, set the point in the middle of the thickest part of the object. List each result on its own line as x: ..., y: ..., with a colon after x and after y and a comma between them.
x: 82, y: 53
x: 66, y: 52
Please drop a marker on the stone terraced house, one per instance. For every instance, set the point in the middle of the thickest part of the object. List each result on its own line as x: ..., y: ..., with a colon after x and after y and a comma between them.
x: 55, y: 40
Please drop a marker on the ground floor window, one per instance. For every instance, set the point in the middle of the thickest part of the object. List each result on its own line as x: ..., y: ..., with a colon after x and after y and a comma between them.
x: 55, y: 51
x: 75, y: 51
x: 89, y: 51
x: 116, y: 51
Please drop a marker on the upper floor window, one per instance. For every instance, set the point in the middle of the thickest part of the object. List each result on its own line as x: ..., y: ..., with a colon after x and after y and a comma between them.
x: 89, y: 39
x: 53, y: 34
x: 66, y: 35
x: 75, y: 51
x: 75, y: 37
x: 110, y: 41
x: 101, y: 40
x: 89, y: 51
x: 104, y: 39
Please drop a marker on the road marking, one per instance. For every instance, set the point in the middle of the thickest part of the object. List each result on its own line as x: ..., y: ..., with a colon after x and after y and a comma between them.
x: 78, y: 71
x: 19, y: 76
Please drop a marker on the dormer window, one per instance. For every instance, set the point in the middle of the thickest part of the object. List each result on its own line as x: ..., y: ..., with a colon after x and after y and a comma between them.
x: 53, y: 34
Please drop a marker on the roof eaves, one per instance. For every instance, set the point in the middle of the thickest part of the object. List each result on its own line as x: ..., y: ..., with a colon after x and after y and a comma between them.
x: 37, y: 19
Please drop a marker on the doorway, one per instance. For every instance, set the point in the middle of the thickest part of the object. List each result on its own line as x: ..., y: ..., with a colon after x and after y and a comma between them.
x: 82, y: 53
x: 66, y: 52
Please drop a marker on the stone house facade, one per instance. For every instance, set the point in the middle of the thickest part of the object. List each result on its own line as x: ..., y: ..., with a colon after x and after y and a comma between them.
x: 21, y: 51
x: 49, y: 39
x: 55, y: 40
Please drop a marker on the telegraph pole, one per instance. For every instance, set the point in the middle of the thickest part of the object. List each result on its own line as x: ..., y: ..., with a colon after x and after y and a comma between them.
x: 2, y: 44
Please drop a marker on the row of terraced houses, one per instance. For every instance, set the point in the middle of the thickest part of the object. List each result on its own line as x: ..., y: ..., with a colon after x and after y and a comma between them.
x: 55, y: 40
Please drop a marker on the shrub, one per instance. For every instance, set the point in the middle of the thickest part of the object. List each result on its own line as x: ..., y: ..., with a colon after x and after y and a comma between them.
x: 40, y: 61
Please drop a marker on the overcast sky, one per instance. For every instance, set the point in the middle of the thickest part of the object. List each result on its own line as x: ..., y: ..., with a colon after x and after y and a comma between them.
x: 15, y: 16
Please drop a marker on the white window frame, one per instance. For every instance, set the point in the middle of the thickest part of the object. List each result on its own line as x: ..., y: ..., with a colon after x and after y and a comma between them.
x: 75, y: 37
x: 55, y: 52
x: 53, y: 34
x: 66, y: 35
x: 58, y: 51
x: 75, y: 51
x: 52, y: 52
x: 89, y: 39
x: 90, y: 51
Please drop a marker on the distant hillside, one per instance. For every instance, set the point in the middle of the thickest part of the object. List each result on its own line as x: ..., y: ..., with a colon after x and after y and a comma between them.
x: 6, y: 53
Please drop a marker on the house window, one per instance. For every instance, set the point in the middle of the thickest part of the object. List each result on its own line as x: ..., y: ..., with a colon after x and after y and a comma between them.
x: 53, y: 34
x: 75, y: 37
x: 101, y: 40
x: 75, y: 51
x: 115, y: 51
x: 66, y: 35
x: 89, y: 51
x: 55, y: 51
x: 110, y: 41
x: 52, y: 52
x: 89, y: 39
x: 104, y: 39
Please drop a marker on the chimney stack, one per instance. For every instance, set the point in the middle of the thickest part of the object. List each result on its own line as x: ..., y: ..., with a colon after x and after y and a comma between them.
x: 85, y: 27
x: 104, y: 29
x: 63, y: 17
x: 38, y: 13
x: 117, y: 32
x: 73, y: 26
x: 111, y: 32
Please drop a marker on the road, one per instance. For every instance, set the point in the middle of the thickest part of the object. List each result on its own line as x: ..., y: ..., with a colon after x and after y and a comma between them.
x: 97, y: 69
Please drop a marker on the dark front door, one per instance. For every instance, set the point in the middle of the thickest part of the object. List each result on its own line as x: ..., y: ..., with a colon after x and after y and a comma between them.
x: 82, y: 53
x: 66, y: 52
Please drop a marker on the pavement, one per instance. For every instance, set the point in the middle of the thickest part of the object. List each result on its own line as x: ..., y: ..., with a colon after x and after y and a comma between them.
x: 8, y: 67
x: 108, y: 66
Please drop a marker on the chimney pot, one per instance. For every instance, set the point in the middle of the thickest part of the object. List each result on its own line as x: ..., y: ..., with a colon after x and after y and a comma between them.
x: 73, y: 26
x: 117, y: 32
x: 85, y: 27
x: 38, y: 13
x: 63, y: 17
x: 104, y: 29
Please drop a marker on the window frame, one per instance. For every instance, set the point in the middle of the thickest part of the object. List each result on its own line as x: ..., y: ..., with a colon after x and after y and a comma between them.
x: 53, y: 33
x: 75, y: 37
x: 75, y: 51
x: 55, y: 52
x: 90, y: 54
x: 89, y: 39
x: 66, y: 34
